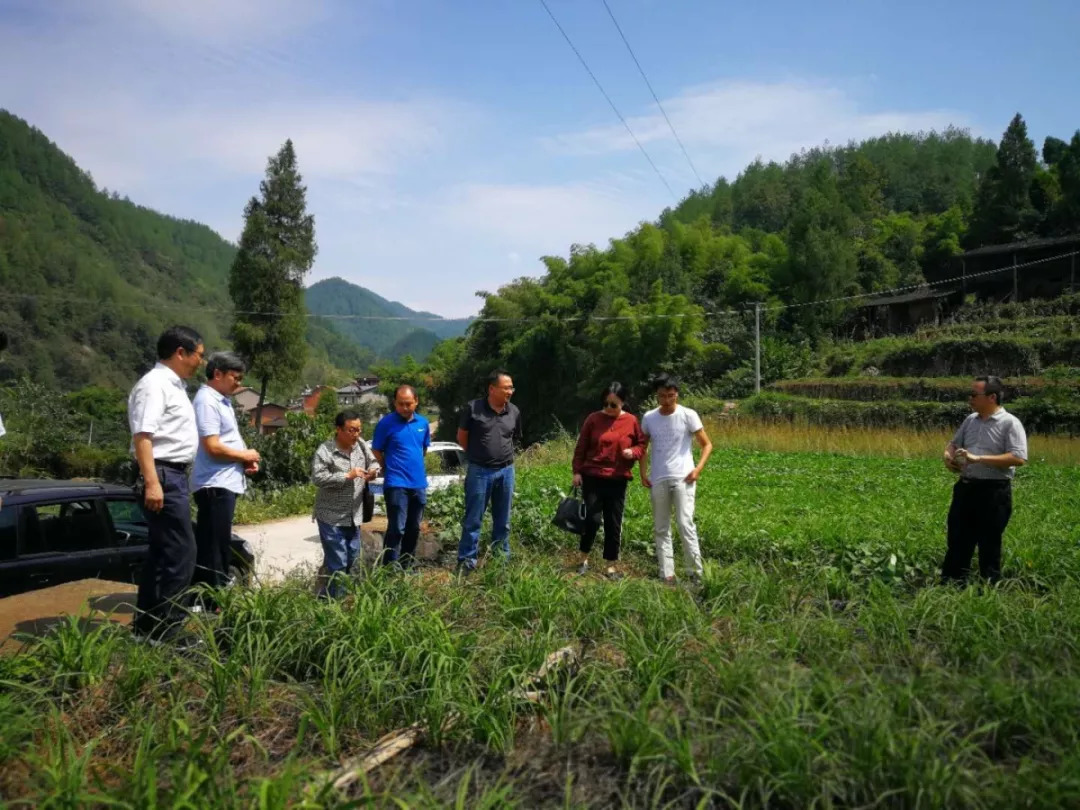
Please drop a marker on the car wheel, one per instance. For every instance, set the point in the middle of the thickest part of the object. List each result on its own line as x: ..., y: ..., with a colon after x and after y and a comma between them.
x: 240, y: 577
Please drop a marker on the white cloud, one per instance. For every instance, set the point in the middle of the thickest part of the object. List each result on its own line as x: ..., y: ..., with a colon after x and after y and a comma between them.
x: 727, y: 123
x: 218, y: 22
x: 339, y: 138
x: 534, y: 219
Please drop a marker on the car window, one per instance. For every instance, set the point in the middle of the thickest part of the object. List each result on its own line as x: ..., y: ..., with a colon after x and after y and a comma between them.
x: 129, y: 523
x: 126, y: 512
x: 7, y: 532
x: 61, y: 527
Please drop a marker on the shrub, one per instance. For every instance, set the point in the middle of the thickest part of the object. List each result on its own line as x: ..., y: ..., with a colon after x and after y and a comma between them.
x: 928, y: 389
x: 956, y: 355
x: 1003, y: 356
x: 1037, y: 416
x: 83, y: 461
x: 287, y: 453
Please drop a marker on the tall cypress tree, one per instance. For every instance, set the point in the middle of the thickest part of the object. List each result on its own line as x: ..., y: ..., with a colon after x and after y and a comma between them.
x: 266, y: 283
x: 1004, y: 211
x: 1064, y: 160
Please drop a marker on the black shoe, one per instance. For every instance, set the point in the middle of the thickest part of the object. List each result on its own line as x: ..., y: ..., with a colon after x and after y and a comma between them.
x: 463, y: 569
x: 188, y: 644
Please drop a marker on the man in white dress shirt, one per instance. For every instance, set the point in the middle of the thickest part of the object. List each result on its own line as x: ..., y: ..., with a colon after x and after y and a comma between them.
x: 164, y: 441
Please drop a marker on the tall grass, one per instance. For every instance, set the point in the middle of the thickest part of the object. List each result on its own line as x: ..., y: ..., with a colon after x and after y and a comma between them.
x: 819, y: 664
x: 784, y: 437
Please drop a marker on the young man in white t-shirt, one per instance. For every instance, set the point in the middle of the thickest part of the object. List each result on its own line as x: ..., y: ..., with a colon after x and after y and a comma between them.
x: 673, y: 481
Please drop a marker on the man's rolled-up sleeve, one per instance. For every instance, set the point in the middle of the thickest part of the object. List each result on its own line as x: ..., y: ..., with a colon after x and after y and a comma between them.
x: 1016, y: 440
x: 146, y: 410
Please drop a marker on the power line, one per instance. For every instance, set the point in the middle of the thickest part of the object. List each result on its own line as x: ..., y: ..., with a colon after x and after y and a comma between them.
x: 600, y: 87
x: 910, y: 287
x: 648, y: 84
x: 535, y: 318
x: 348, y: 317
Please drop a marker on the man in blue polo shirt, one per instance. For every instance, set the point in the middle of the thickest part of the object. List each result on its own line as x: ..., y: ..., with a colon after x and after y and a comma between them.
x: 401, y: 439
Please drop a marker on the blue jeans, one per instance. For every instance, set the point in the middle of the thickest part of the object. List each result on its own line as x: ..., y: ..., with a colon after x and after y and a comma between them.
x: 341, y: 547
x: 404, y: 511
x: 484, y: 485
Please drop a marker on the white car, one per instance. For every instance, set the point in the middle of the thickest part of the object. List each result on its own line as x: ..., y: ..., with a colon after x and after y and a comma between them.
x: 447, y: 459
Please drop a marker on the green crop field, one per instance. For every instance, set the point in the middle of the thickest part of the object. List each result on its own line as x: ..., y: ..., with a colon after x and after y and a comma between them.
x: 819, y: 665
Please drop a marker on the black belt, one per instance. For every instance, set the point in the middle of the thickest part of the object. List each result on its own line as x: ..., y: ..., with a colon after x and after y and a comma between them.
x: 172, y: 465
x: 987, y: 481
x: 500, y: 466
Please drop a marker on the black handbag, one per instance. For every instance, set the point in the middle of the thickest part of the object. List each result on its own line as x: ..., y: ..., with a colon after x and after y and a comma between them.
x: 368, y: 505
x: 571, y: 514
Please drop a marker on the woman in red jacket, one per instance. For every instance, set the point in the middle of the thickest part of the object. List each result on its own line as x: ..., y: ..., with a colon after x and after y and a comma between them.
x: 610, y: 442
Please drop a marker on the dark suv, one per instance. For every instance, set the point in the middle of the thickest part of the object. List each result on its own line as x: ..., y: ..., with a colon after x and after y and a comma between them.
x: 60, y: 531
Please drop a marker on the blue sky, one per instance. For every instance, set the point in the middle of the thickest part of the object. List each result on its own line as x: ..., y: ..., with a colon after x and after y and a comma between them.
x: 448, y: 145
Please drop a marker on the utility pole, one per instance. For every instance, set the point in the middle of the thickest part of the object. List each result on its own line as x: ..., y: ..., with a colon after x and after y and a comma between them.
x: 757, y: 347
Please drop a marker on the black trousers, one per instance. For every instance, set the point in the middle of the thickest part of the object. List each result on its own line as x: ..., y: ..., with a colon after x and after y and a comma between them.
x: 607, y: 497
x: 979, y: 513
x: 161, y: 606
x: 213, y: 534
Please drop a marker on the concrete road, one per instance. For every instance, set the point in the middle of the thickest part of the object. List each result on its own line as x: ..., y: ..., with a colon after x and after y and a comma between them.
x: 283, y: 546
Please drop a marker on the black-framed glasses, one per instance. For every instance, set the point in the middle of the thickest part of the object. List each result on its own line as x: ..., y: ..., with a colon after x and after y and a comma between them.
x: 610, y: 404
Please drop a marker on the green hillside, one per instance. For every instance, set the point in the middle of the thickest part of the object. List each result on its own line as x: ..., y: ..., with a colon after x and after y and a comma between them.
x: 365, y: 311
x: 417, y: 345
x: 90, y: 279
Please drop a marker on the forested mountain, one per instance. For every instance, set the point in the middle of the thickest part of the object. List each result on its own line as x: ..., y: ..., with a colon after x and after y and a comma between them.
x: 337, y: 297
x: 417, y: 345
x: 88, y: 280
x: 828, y: 223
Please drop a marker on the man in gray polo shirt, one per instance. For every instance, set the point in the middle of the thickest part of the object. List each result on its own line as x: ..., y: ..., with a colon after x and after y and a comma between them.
x: 986, y: 450
x: 489, y: 429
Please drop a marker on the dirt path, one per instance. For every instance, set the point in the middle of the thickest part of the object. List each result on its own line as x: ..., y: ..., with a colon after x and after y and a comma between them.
x: 281, y: 546
x: 34, y: 613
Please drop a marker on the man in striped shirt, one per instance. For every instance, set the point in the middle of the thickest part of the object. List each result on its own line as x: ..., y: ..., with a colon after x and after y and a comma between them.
x: 340, y: 470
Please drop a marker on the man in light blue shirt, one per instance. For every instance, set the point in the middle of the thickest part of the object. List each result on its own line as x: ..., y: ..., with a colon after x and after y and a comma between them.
x: 401, y: 439
x: 221, y: 462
